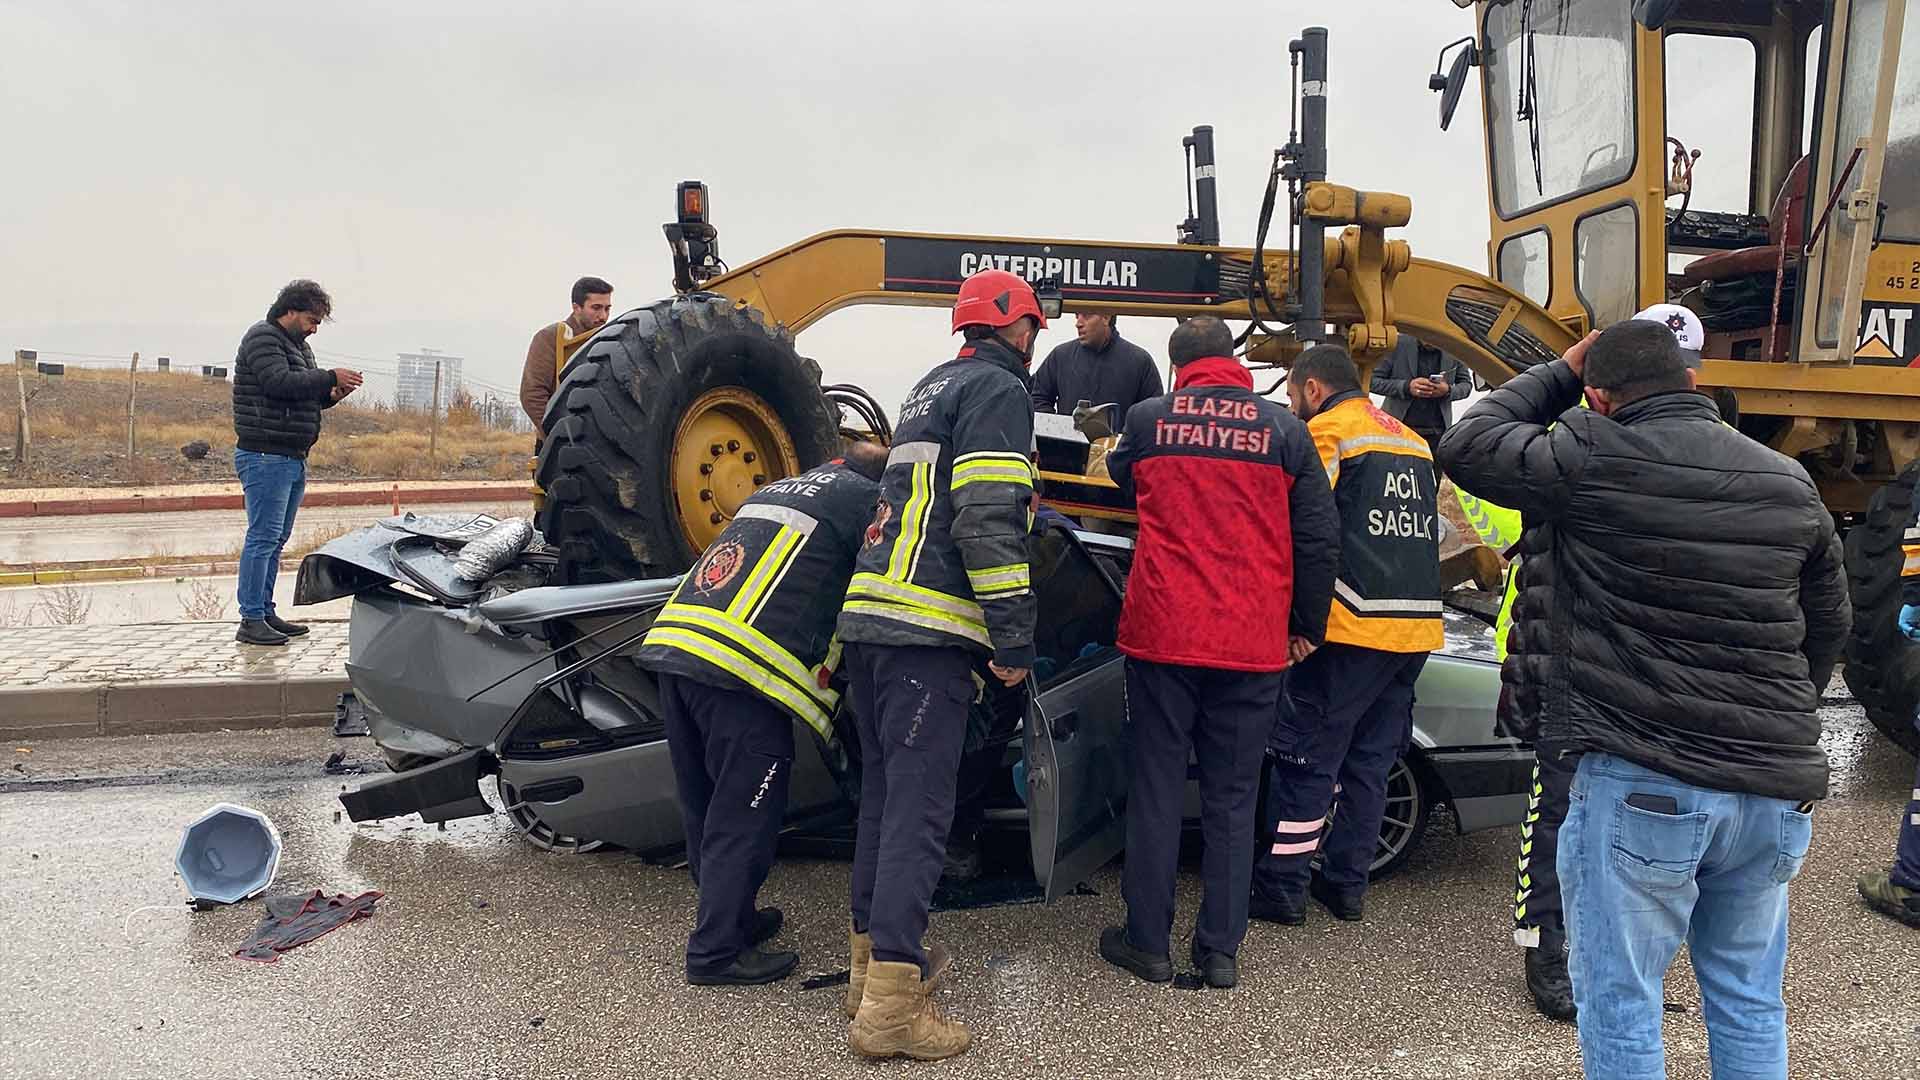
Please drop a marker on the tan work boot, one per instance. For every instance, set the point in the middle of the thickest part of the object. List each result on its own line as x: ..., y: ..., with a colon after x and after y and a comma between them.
x: 896, y: 1019
x: 860, y: 953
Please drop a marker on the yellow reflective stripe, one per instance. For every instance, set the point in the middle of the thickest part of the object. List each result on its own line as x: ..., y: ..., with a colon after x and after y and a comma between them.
x: 904, y: 592
x: 772, y: 561
x: 998, y: 474
x: 913, y: 523
x: 744, y: 669
x: 932, y: 620
x: 998, y: 579
x: 768, y: 650
x: 992, y: 455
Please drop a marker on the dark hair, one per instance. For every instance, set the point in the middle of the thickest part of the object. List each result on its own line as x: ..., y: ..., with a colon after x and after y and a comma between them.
x: 1331, y: 364
x: 1634, y: 359
x: 1202, y: 335
x: 981, y: 331
x: 302, y: 296
x: 587, y: 286
x: 866, y: 458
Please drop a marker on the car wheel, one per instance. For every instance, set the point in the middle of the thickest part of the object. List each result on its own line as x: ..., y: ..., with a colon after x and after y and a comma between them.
x: 1409, y: 803
x: 535, y: 831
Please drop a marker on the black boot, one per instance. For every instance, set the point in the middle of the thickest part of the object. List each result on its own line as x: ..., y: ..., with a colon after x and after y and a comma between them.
x: 1287, y: 911
x: 1219, y: 969
x: 751, y: 968
x: 1347, y: 907
x: 291, y: 629
x: 764, y: 924
x: 1115, y: 949
x: 257, y: 632
x: 1548, y: 980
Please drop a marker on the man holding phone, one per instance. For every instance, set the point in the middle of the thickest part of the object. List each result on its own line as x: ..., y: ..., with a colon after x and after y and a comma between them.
x: 1681, y: 603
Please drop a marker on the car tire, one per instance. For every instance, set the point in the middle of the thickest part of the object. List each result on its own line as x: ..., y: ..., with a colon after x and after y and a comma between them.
x: 1882, y: 664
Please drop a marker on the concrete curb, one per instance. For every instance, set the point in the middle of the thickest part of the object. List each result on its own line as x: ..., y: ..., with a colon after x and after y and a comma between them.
x: 144, y: 504
x: 56, y: 576
x: 165, y: 706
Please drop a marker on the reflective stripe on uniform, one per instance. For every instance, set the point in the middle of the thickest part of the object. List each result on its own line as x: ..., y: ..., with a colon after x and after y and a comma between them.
x: 912, y: 616
x: 914, y: 453
x: 759, y: 582
x: 1498, y: 527
x: 992, y: 466
x: 1388, y: 606
x: 1000, y: 581
x: 748, y: 672
x: 768, y: 651
x: 798, y: 520
x: 904, y: 559
x: 1911, y: 567
x: 905, y: 592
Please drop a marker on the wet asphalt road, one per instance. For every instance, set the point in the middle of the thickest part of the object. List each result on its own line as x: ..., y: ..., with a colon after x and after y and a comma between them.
x: 488, y: 958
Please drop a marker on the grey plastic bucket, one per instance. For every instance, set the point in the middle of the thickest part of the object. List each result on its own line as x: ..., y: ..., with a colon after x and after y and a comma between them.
x: 228, y: 854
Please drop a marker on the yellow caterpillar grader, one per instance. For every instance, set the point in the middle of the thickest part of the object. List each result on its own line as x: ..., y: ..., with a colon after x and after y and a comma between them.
x: 1755, y: 160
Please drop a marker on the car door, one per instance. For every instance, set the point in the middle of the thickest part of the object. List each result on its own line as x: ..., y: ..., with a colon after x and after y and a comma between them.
x: 1076, y: 733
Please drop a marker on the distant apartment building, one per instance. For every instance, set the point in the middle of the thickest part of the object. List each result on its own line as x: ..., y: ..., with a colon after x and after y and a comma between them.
x: 414, y: 389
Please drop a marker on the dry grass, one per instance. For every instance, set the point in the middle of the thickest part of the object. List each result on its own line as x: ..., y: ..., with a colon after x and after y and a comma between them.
x: 65, y: 605
x: 13, y: 612
x: 80, y: 429
x: 203, y: 602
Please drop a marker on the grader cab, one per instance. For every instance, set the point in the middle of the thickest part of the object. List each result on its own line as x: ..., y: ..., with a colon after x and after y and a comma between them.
x: 1730, y: 155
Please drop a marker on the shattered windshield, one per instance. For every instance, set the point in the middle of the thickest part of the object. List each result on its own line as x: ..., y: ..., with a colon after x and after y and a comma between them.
x: 1559, y: 99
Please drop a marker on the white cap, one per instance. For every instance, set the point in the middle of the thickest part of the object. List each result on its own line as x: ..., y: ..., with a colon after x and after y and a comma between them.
x: 1685, y: 326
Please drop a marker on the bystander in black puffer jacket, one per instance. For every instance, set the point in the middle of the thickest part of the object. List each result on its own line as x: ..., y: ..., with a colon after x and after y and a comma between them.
x: 1681, y: 599
x: 278, y: 392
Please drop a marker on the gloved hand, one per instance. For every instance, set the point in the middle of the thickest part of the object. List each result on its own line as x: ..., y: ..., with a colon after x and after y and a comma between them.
x: 1095, y: 421
x: 1910, y: 621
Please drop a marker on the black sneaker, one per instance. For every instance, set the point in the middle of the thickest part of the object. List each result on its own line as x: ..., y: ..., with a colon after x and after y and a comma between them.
x: 1283, y: 911
x: 1115, y: 949
x: 764, y: 924
x: 1347, y: 907
x: 291, y: 629
x: 257, y: 632
x: 1549, y: 982
x: 751, y: 968
x: 1221, y: 971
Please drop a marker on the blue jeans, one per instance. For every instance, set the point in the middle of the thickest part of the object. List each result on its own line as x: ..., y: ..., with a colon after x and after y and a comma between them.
x: 1639, y: 880
x: 273, y: 485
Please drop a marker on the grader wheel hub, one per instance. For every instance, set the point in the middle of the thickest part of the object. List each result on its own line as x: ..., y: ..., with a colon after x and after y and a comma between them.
x: 729, y: 444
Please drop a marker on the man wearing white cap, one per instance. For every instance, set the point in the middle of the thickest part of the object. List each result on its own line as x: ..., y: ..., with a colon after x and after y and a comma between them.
x: 1686, y: 327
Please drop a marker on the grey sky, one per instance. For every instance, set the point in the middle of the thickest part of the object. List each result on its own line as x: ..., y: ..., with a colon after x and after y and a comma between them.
x: 446, y: 169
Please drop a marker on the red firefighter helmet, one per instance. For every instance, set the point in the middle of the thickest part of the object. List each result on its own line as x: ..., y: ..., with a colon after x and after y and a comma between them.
x: 996, y: 298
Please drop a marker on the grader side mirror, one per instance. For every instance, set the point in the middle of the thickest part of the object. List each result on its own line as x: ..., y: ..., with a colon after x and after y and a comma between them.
x: 1047, y: 291
x: 1653, y: 14
x: 1454, y: 82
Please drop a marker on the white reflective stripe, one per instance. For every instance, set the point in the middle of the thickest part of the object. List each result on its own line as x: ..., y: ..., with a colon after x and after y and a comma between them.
x: 1527, y: 937
x: 1913, y: 819
x: 1304, y: 847
x: 797, y: 520
x: 984, y: 455
x: 914, y: 452
x: 1916, y: 794
x: 1300, y: 826
x: 773, y: 586
x: 1361, y: 444
x: 768, y: 651
x: 999, y: 577
x: 1002, y: 593
x: 1912, y: 535
x: 1333, y: 473
x: 1360, y: 603
x: 918, y: 617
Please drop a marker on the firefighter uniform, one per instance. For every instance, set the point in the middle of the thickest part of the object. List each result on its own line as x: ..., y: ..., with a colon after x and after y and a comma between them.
x: 1897, y: 893
x: 1351, y: 701
x: 743, y: 649
x: 942, y: 579
x: 1236, y: 552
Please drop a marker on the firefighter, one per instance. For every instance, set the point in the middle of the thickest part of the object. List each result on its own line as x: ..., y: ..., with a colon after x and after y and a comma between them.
x: 942, y: 579
x: 743, y: 650
x: 1237, y: 533
x: 1351, y: 701
x: 1897, y: 892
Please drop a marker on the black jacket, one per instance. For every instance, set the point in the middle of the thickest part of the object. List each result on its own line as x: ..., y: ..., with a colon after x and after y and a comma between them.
x: 1412, y: 359
x: 278, y: 392
x: 756, y: 612
x: 1122, y: 373
x: 1681, y: 600
x: 945, y: 558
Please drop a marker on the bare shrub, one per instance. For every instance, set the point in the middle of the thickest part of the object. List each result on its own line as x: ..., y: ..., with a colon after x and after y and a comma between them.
x: 14, y: 613
x: 65, y: 605
x: 203, y: 601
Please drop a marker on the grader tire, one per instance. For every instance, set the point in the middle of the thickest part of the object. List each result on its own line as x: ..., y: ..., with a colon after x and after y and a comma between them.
x: 1883, y: 665
x: 662, y: 424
